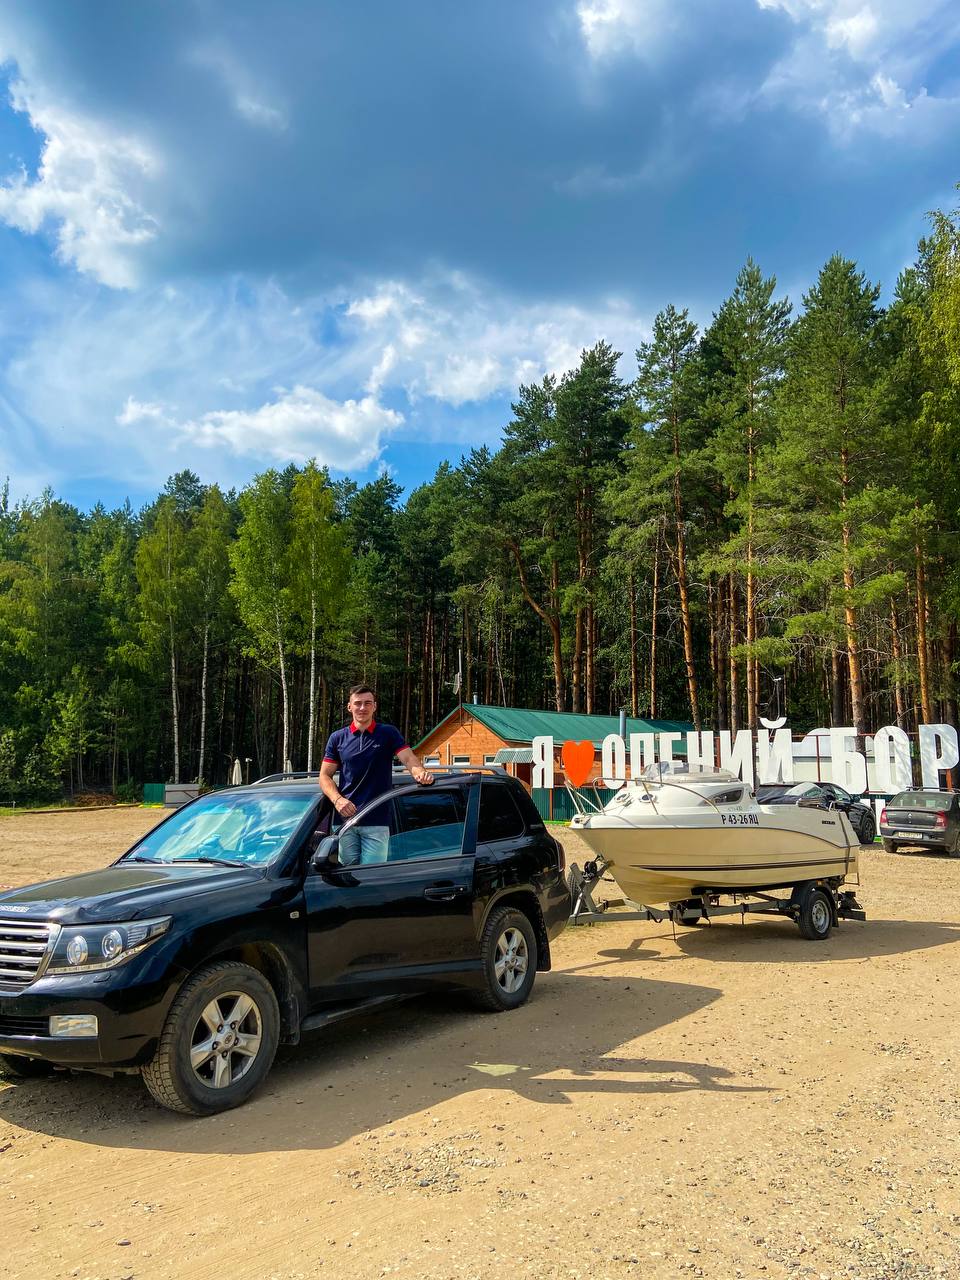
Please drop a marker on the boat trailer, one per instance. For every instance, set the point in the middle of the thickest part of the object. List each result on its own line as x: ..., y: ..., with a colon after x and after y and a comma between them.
x: 815, y: 906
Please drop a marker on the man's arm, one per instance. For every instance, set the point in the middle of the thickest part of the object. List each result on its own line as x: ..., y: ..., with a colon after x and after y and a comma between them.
x: 346, y: 808
x: 409, y: 760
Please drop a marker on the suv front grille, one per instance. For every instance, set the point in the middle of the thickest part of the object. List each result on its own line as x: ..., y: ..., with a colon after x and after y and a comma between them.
x: 14, y: 1026
x: 24, y: 950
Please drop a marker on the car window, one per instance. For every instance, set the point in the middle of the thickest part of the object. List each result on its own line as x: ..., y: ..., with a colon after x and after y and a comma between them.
x: 499, y: 816
x: 919, y: 800
x: 231, y: 826
x: 843, y: 796
x: 428, y: 824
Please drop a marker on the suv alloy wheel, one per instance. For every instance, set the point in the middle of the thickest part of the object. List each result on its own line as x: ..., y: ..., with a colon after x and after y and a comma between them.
x: 508, y: 953
x: 218, y: 1042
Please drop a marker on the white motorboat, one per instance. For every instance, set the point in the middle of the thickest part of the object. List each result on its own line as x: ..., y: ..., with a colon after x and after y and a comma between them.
x: 678, y: 836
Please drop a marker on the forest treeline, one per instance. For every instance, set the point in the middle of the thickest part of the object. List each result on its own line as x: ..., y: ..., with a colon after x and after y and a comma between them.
x: 762, y: 516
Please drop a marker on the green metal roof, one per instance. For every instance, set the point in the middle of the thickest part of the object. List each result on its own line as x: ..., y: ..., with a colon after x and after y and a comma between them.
x: 517, y: 724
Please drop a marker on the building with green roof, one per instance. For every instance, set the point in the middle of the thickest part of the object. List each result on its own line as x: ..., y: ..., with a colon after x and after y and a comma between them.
x: 475, y: 734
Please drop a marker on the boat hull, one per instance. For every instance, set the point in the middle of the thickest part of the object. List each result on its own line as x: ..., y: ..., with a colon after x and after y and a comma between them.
x: 660, y: 863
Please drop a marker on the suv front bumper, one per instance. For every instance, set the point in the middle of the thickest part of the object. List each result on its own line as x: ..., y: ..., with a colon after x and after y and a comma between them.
x: 129, y: 1004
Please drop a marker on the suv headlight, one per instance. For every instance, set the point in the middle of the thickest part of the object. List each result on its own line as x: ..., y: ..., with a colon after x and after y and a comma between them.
x: 83, y: 948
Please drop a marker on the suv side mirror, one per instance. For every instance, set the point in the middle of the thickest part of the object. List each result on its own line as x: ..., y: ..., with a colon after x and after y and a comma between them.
x: 327, y: 853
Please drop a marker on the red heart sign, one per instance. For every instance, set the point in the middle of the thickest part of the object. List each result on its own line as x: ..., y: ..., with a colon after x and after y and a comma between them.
x: 577, y: 759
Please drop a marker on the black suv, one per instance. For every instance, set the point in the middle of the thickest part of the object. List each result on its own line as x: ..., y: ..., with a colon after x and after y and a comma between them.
x: 233, y: 926
x: 825, y: 795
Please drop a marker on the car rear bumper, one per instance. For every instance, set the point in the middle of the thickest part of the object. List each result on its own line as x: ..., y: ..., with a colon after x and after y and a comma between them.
x: 933, y: 839
x: 555, y: 907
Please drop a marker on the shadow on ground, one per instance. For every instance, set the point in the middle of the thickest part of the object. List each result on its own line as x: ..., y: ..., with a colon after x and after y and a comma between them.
x: 779, y: 940
x: 404, y: 1061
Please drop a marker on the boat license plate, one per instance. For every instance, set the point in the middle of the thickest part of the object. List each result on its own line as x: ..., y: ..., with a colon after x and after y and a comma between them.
x: 740, y: 819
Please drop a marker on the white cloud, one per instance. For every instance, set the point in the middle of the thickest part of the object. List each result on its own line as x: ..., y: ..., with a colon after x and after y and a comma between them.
x: 135, y: 411
x: 453, y: 340
x: 862, y: 66
x: 613, y: 27
x: 137, y: 385
x: 297, y: 425
x: 90, y: 187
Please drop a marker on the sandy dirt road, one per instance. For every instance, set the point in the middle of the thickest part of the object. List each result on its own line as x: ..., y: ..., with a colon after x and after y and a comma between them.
x: 733, y: 1103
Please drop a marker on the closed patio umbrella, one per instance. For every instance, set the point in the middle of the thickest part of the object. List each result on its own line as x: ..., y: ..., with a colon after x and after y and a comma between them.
x: 236, y: 776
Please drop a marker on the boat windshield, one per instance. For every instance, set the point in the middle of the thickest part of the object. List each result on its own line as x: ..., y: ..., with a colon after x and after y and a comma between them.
x: 680, y: 772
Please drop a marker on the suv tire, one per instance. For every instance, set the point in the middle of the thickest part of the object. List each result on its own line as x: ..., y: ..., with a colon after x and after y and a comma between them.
x: 195, y: 1073
x: 16, y: 1067
x: 508, y: 953
x: 868, y: 829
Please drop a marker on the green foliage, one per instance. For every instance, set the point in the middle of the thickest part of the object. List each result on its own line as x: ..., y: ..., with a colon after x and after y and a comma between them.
x: 769, y: 507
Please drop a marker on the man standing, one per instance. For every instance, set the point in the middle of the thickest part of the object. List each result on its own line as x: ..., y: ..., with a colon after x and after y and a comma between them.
x: 363, y: 752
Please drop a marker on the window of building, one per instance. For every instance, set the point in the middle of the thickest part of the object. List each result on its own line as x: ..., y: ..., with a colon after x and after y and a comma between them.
x: 499, y: 816
x: 490, y: 759
x: 461, y: 759
x: 431, y: 760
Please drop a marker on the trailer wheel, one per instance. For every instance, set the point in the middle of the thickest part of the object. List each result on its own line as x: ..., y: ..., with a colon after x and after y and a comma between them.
x: 815, y: 919
x: 689, y: 912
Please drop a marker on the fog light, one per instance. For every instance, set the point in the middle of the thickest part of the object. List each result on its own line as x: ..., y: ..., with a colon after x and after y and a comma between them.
x: 78, y: 1025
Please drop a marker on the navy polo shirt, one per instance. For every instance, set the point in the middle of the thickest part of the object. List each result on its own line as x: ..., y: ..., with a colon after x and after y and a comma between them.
x: 365, y: 757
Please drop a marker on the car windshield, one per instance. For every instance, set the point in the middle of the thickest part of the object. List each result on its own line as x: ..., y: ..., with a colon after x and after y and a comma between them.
x: 230, y: 828
x: 803, y: 789
x: 920, y: 800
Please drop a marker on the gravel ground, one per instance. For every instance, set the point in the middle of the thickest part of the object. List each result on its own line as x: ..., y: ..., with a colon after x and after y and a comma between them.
x: 730, y: 1102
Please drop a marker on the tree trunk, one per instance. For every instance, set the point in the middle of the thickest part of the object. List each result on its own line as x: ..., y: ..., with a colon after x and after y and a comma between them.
x: 312, y: 701
x: 203, y: 700
x: 734, y: 669
x: 577, y: 658
x: 654, y: 605
x: 899, y: 699
x: 923, y: 652
x: 283, y: 688
x: 949, y: 680
x: 687, y: 625
x: 552, y: 620
x: 634, y: 656
x: 590, y: 674
x: 175, y: 705
x: 836, y: 689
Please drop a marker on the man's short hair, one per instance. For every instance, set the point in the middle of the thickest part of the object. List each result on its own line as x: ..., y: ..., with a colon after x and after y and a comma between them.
x: 360, y: 688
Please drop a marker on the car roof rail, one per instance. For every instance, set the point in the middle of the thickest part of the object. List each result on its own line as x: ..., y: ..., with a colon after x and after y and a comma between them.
x: 299, y: 775
x: 497, y: 770
x: 293, y: 775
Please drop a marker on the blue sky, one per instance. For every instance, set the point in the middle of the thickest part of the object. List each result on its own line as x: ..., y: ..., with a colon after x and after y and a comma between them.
x: 234, y: 235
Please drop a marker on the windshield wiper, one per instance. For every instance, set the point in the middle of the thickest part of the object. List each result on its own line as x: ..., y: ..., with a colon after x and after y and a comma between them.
x: 215, y: 862
x: 137, y: 858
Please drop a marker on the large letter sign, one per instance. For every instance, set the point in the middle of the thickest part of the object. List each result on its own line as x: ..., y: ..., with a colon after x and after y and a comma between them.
x: 932, y: 759
x: 613, y: 760
x: 847, y: 768
x: 774, y: 752
x: 542, y: 771
x: 737, y: 756
x: 894, y: 774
